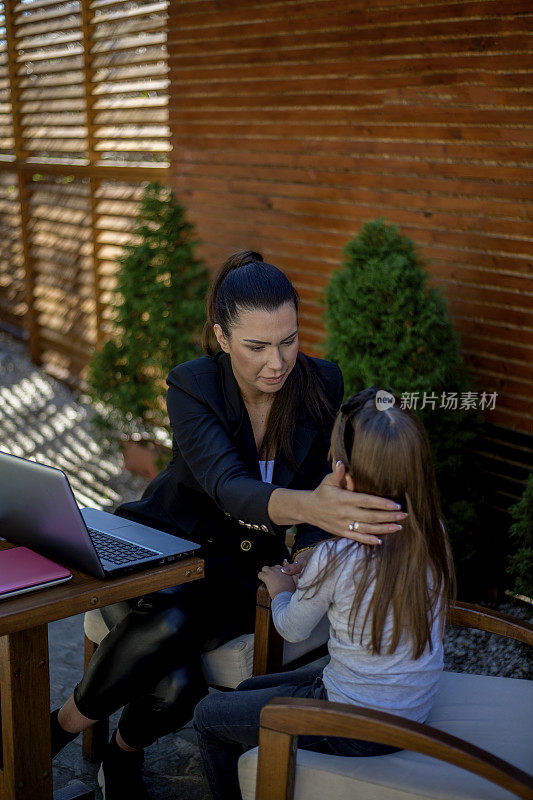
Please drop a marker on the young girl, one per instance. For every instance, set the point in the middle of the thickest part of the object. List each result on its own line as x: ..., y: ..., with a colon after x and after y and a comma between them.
x: 386, y: 605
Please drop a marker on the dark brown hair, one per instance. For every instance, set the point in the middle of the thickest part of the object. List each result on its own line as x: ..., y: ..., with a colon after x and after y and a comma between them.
x: 387, y: 453
x: 246, y: 283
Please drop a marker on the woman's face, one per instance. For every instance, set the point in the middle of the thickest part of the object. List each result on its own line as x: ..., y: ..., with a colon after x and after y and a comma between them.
x: 263, y: 347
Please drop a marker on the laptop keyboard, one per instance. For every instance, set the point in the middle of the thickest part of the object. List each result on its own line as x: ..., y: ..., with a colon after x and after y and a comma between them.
x: 117, y: 550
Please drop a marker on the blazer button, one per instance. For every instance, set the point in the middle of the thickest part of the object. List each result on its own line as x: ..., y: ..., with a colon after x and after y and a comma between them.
x: 246, y: 545
x: 264, y: 528
x: 242, y: 522
x: 256, y: 527
x: 227, y: 513
x: 210, y: 540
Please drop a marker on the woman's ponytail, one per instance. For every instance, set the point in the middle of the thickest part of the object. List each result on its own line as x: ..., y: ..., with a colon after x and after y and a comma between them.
x: 235, y: 261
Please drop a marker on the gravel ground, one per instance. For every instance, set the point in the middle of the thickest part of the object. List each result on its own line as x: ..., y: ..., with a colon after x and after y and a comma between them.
x: 42, y: 419
x: 467, y: 650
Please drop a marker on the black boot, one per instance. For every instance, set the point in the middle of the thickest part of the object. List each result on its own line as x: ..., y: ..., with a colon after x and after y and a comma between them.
x: 120, y: 774
x: 59, y: 737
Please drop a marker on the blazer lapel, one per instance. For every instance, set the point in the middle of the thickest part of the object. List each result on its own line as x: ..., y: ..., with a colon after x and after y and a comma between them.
x: 237, y: 415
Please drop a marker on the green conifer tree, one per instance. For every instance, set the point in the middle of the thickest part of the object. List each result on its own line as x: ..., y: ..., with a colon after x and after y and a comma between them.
x: 158, y: 313
x: 520, y: 561
x: 386, y: 327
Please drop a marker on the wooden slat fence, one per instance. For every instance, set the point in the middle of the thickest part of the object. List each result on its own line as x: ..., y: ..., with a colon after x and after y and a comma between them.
x: 295, y: 122
x: 83, y: 126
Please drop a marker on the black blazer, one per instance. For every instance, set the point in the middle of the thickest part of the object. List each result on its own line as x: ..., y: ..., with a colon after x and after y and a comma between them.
x: 211, y: 491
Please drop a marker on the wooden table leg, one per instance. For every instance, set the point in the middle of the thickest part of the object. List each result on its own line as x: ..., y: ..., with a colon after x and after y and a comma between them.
x: 25, y: 764
x: 26, y: 772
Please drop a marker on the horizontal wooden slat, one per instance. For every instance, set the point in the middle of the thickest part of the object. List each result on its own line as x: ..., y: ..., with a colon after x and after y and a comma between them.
x: 32, y: 14
x: 120, y: 29
x: 38, y: 4
x: 122, y: 12
x: 128, y: 43
x: 412, y: 12
x: 64, y: 21
x: 127, y: 58
x: 112, y: 87
x: 52, y: 94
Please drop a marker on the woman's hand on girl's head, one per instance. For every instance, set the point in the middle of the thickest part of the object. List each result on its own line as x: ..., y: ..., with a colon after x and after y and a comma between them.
x: 334, y: 508
x: 276, y: 581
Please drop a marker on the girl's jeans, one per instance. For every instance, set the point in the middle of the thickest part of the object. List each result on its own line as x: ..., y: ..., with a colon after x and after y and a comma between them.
x: 227, y: 724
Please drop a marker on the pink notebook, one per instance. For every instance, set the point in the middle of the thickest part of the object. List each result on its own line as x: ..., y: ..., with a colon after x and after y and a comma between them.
x: 23, y: 570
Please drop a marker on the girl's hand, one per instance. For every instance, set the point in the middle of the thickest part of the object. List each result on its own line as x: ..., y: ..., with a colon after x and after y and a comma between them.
x: 298, y: 565
x: 293, y: 570
x: 333, y: 508
x: 276, y: 581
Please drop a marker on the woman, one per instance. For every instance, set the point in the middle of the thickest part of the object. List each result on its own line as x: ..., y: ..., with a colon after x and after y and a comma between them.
x: 251, y: 425
x: 386, y: 606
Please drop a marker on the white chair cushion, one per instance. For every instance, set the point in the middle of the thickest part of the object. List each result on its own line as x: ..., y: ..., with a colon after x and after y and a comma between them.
x: 493, y: 713
x: 231, y: 663
x: 95, y: 626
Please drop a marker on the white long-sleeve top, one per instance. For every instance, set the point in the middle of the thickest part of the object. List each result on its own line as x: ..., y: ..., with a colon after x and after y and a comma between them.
x: 394, y: 683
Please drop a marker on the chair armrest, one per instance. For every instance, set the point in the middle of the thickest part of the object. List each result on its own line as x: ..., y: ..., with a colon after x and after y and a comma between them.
x: 466, y: 615
x: 282, y: 719
x: 268, y: 644
x: 263, y: 598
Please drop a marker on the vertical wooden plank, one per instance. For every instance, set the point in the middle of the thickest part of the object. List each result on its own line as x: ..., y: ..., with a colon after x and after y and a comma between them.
x: 14, y: 80
x: 20, y: 155
x: 89, y: 99
x: 92, y: 157
x: 98, y: 303
x: 268, y: 644
x: 29, y: 266
x: 24, y: 702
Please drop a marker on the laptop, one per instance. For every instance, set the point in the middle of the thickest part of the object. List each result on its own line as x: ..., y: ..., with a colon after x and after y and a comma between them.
x: 38, y: 510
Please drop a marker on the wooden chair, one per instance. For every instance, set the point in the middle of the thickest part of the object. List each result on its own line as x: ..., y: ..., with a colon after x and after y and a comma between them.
x: 481, y: 724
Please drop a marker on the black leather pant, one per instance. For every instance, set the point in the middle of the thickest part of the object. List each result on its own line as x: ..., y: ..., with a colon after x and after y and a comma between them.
x: 150, y: 661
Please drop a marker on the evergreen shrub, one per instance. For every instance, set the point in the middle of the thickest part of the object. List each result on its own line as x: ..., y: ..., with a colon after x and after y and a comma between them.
x: 386, y: 327
x: 520, y: 561
x: 158, y: 312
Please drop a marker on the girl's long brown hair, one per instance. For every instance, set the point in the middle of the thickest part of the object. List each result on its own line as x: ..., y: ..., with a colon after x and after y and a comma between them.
x: 246, y: 283
x: 387, y: 453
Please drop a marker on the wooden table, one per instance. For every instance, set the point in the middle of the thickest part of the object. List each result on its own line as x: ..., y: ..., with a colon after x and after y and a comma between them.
x: 25, y: 763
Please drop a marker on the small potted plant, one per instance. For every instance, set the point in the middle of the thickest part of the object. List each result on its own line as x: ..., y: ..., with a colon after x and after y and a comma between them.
x: 158, y: 312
